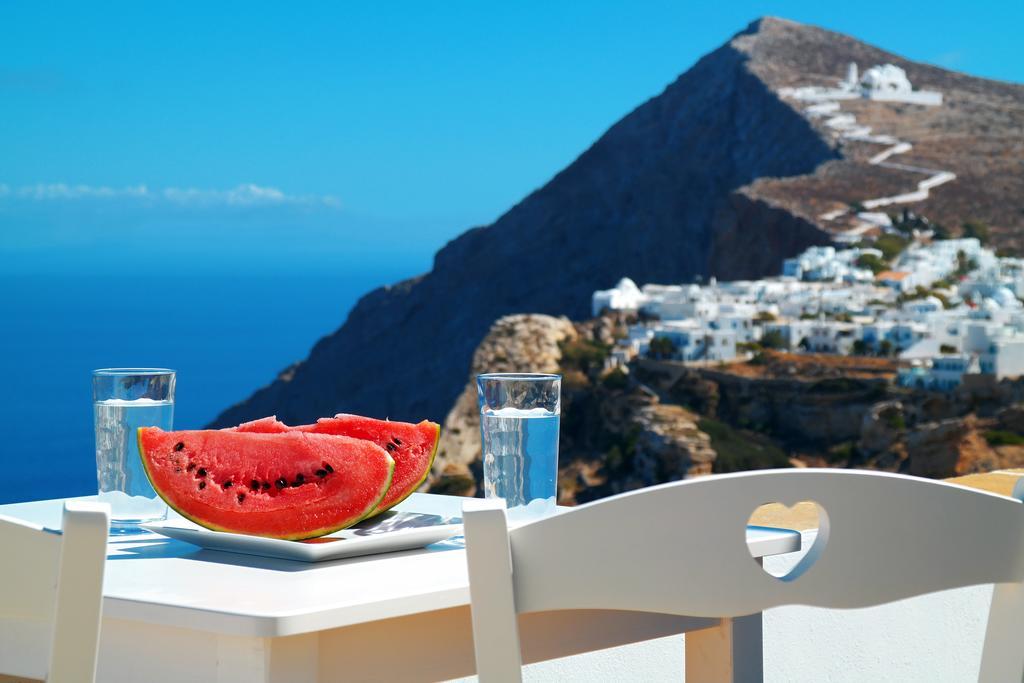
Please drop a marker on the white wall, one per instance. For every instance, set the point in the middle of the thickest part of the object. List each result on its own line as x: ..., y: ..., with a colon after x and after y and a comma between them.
x: 933, y: 638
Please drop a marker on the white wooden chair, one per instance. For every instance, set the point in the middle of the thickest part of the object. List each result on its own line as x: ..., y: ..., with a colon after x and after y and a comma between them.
x: 56, y: 580
x: 680, y: 548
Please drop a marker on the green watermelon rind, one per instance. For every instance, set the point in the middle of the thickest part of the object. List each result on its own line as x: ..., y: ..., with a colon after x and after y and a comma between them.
x: 426, y: 473
x: 296, y: 537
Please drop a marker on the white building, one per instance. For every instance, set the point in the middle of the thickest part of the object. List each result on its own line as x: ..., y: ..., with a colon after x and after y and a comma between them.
x: 826, y: 264
x: 792, y: 332
x: 889, y: 83
x: 695, y: 342
x: 625, y: 296
x: 884, y: 82
x: 829, y: 336
x: 931, y: 365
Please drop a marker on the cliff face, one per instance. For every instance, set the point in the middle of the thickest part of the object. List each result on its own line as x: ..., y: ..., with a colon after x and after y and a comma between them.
x: 718, y: 174
x: 639, y: 203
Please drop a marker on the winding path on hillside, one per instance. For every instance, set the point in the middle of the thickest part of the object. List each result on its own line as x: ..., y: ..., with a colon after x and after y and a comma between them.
x: 846, y: 126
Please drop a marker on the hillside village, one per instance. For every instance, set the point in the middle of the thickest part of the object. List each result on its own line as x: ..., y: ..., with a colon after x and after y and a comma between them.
x: 945, y: 308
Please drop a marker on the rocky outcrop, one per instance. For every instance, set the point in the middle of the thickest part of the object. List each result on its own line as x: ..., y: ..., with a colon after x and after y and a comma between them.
x: 949, y: 448
x: 515, y: 343
x: 882, y: 426
x: 669, y: 445
x: 810, y: 412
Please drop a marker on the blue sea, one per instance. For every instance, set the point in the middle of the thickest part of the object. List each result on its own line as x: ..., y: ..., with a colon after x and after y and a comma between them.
x: 225, y: 334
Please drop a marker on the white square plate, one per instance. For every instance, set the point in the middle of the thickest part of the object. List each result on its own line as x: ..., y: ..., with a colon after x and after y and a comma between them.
x: 389, y: 532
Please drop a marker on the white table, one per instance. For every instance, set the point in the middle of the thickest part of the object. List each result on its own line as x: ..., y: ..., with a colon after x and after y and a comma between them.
x: 174, y: 612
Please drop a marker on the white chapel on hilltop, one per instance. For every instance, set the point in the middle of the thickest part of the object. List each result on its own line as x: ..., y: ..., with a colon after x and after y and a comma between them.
x: 888, y: 83
x: 884, y: 83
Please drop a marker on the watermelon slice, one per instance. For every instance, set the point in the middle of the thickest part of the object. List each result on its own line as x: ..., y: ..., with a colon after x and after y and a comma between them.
x: 291, y: 485
x: 413, y: 446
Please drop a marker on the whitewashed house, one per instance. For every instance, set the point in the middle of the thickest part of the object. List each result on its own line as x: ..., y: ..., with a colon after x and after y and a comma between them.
x: 947, y: 370
x: 792, y: 332
x: 830, y: 336
x: 625, y: 296
x: 696, y: 342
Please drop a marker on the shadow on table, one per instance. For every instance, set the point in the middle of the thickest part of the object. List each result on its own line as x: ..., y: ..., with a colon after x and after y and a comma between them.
x: 166, y: 548
x: 150, y: 547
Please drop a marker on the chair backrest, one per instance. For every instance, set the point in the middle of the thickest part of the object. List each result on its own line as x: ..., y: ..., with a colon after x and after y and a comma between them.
x: 51, y: 592
x: 681, y: 548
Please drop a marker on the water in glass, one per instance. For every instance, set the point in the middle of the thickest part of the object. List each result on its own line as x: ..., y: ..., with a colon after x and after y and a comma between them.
x: 520, y: 450
x: 122, y: 480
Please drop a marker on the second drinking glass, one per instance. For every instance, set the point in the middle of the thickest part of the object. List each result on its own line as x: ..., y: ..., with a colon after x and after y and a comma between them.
x: 519, y: 416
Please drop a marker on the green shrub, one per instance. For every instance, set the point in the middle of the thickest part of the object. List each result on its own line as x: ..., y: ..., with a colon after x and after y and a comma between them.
x: 872, y: 263
x: 584, y: 354
x: 773, y: 339
x: 661, y: 347
x: 891, y: 246
x: 738, y: 452
x: 843, y: 452
x: 616, y: 380
x: 964, y: 264
x: 976, y: 229
x: 1001, y: 437
x: 895, y: 420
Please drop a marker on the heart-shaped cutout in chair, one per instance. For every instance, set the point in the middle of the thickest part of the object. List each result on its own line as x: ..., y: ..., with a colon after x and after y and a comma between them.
x: 803, y: 516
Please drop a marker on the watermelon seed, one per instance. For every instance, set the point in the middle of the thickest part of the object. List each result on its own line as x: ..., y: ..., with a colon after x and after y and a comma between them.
x: 254, y: 485
x: 328, y: 467
x: 227, y: 485
x: 266, y: 486
x: 202, y: 485
x: 321, y: 473
x: 241, y: 497
x: 178, y: 446
x: 390, y: 446
x: 398, y: 442
x: 191, y: 466
x: 299, y: 478
x: 201, y: 472
x: 281, y: 483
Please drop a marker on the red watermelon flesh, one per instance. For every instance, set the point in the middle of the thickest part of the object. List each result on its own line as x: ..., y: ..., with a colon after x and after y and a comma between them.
x: 290, y: 485
x: 413, y: 446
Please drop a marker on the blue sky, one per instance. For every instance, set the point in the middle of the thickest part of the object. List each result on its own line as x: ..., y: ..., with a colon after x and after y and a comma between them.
x: 361, y: 126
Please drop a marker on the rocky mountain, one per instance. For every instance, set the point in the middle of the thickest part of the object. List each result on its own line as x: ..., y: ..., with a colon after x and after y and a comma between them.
x: 721, y: 173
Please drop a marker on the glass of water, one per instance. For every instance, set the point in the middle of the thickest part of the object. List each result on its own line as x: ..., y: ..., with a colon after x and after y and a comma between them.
x: 125, y: 399
x: 519, y: 416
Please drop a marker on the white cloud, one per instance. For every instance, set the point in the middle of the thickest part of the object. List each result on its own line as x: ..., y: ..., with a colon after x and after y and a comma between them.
x: 247, y: 194
x: 41, y: 191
